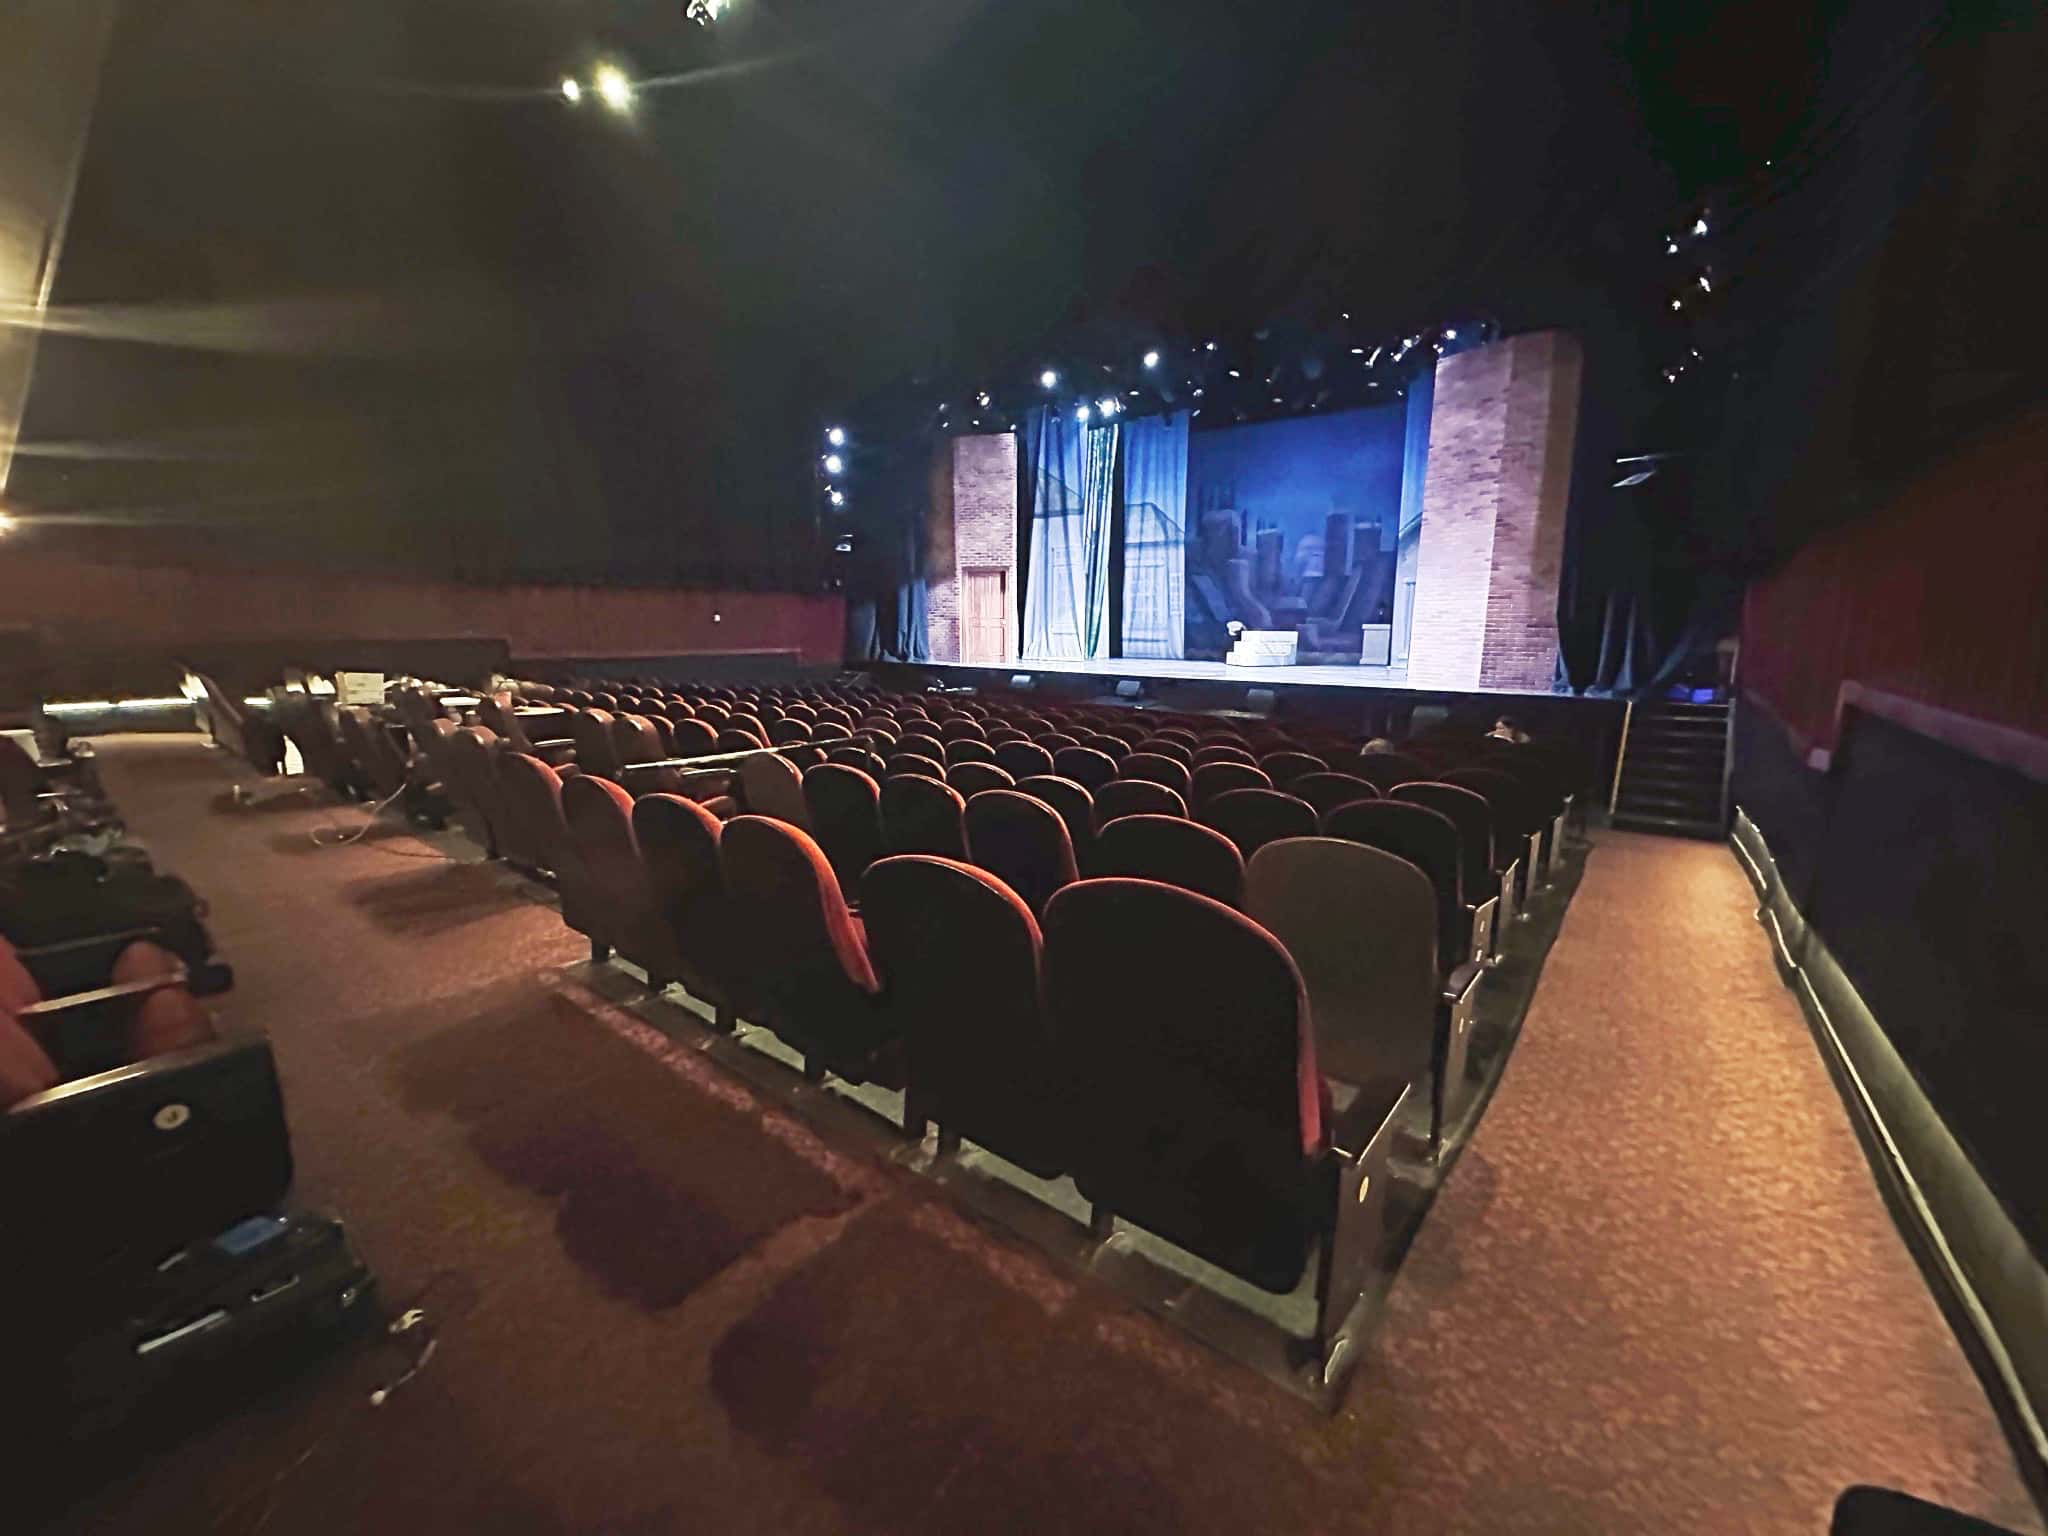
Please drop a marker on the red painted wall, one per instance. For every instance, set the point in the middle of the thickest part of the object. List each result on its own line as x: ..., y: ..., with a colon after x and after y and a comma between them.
x: 1942, y: 598
x: 151, y: 606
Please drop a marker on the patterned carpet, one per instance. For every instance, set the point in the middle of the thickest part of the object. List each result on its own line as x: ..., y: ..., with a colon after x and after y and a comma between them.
x: 1659, y: 1292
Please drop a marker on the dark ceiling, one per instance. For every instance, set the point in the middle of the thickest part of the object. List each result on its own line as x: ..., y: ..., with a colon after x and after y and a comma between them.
x: 398, y: 303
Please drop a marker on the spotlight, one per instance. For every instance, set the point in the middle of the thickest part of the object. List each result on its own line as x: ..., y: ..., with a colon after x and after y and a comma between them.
x: 1678, y: 303
x: 836, y: 436
x: 834, y: 464
x: 1235, y: 374
x: 1151, y: 359
x: 1049, y: 379
x: 7, y: 524
x: 1705, y: 286
x: 613, y: 88
x: 1358, y: 351
x: 839, y: 498
x: 1210, y: 347
x: 1107, y: 406
x: 1670, y: 247
x: 571, y: 91
x: 1699, y: 225
x: 1450, y: 335
x: 982, y: 399
x: 1081, y: 414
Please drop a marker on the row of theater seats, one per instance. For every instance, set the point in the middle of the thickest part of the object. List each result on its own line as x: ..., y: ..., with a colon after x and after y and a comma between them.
x: 1135, y: 950
x: 132, y: 1123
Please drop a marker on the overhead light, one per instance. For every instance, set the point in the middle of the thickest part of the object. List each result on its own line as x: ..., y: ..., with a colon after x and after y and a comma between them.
x: 834, y: 464
x: 1081, y: 414
x: 1151, y: 359
x: 572, y: 90
x: 836, y: 436
x: 613, y: 88
x: 1450, y: 335
x: 1699, y: 225
x: 1678, y: 303
x: 1049, y: 379
x: 1705, y: 286
x: 839, y: 498
x: 1107, y: 405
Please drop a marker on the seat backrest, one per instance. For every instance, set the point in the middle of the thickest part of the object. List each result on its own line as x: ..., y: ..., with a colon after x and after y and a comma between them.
x: 1056, y: 742
x: 773, y: 787
x: 1174, y: 774
x: 789, y: 731
x: 1361, y: 926
x: 967, y: 749
x: 799, y: 950
x: 1084, y: 765
x: 735, y: 740
x: 1472, y: 817
x: 923, y: 744
x: 1076, y: 807
x: 1136, y: 797
x: 1173, y: 851
x: 473, y: 765
x: 1224, y: 752
x: 959, y: 726
x: 1215, y: 778
x: 958, y: 952
x: 1517, y: 807
x: 921, y: 815
x: 1194, y: 1107
x: 600, y: 818
x: 1387, y: 769
x: 1327, y: 791
x: 591, y: 729
x: 531, y: 794
x: 678, y: 841
x: 972, y: 779
x: 1168, y: 746
x: 1023, y: 759
x: 1252, y: 818
x: 693, y: 738
x: 635, y: 740
x: 1426, y: 838
x: 916, y: 762
x: 1022, y: 841
x: 1283, y: 768
x: 844, y: 812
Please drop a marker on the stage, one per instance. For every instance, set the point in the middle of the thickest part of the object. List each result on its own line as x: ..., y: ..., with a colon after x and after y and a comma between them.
x: 1110, y: 672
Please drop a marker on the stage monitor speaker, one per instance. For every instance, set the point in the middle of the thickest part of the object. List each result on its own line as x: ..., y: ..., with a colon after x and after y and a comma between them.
x: 1021, y: 682
x: 1260, y: 701
x: 1130, y: 688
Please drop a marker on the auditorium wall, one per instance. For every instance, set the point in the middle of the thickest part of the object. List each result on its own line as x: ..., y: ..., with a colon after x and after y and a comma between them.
x: 148, y: 612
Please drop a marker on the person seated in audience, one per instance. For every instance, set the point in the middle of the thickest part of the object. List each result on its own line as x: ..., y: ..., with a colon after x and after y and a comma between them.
x: 1377, y: 744
x: 1507, y: 729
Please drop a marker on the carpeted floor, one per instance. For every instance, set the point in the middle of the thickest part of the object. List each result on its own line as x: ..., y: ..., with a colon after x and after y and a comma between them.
x: 1659, y: 1292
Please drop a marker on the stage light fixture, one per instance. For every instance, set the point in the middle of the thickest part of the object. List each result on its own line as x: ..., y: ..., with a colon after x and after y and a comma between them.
x: 1705, y: 286
x: 982, y: 399
x: 1049, y: 379
x: 839, y: 498
x: 1235, y: 374
x: 1081, y: 414
x: 836, y: 436
x: 834, y: 464
x: 1678, y: 303
x: 1450, y: 335
x: 1151, y: 359
x: 1358, y: 351
x: 572, y: 91
x: 613, y: 88
x: 1670, y: 246
x: 1211, y: 347
x: 1699, y: 225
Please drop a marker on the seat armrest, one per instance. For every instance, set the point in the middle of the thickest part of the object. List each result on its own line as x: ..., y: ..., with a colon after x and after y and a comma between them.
x: 1366, y: 1118
x: 52, y: 1008
x: 1459, y: 984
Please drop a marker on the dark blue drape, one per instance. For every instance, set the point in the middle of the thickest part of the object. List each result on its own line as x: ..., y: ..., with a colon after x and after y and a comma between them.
x: 1155, y: 485
x: 1073, y: 491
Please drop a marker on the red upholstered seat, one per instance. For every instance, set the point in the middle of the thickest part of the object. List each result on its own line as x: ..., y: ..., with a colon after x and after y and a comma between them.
x: 958, y: 952
x: 922, y: 744
x: 966, y: 749
x: 1224, y: 752
x: 1469, y: 813
x: 1327, y: 791
x: 1022, y: 841
x: 1384, y: 770
x: 921, y: 815
x: 1283, y: 768
x: 972, y: 779
x: 1168, y: 746
x: 625, y: 915
x: 1084, y: 765
x: 1215, y: 778
x: 802, y: 954
x: 1076, y: 807
x: 678, y: 841
x: 1136, y: 797
x: 845, y: 816
x: 1426, y: 838
x: 1194, y: 1107
x: 636, y: 740
x: 1023, y: 759
x: 1251, y: 818
x: 596, y: 752
x: 1173, y: 851
x: 1174, y: 774
x: 534, y: 831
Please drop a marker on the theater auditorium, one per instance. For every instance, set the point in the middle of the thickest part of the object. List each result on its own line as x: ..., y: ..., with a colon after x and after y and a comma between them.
x: 775, y: 765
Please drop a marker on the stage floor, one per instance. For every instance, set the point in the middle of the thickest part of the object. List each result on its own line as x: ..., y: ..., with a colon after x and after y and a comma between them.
x: 1388, y: 679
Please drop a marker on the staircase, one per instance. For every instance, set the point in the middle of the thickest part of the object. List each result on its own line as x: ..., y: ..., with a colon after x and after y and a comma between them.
x: 1672, y: 773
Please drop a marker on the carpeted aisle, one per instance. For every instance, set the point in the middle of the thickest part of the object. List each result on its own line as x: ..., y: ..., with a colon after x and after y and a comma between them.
x: 1659, y: 1292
